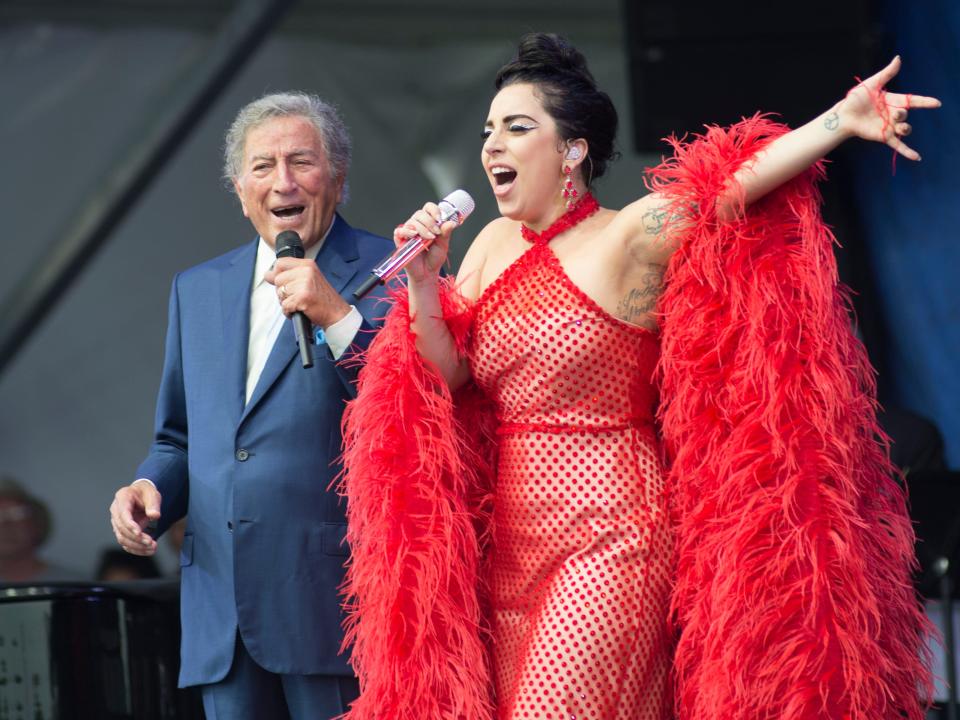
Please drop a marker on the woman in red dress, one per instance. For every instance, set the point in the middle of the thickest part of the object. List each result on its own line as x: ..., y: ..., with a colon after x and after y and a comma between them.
x: 544, y: 585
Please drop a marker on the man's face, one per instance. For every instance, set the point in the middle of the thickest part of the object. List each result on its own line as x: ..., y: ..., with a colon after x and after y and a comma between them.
x: 285, y: 181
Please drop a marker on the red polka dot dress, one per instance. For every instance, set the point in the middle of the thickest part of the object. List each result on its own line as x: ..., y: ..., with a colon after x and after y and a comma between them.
x: 579, y: 570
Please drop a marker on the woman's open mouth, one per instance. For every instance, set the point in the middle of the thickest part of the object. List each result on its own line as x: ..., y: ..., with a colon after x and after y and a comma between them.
x: 503, y: 179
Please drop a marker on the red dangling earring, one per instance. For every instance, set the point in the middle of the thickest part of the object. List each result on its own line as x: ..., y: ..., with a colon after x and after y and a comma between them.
x: 569, y: 191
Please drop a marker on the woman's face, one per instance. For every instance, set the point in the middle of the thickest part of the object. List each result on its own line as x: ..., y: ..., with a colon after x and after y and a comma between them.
x: 523, y: 157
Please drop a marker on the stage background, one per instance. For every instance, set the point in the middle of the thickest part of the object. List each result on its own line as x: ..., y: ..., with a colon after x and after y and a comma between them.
x: 79, y: 82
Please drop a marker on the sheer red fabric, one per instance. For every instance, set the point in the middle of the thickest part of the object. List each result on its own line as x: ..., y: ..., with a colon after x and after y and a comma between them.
x: 579, y: 568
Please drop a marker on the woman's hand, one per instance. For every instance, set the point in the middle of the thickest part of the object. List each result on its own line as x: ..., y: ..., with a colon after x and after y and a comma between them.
x: 872, y: 113
x: 868, y: 112
x: 426, y: 224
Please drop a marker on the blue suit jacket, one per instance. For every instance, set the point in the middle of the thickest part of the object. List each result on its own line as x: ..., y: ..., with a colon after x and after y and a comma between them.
x: 264, y: 546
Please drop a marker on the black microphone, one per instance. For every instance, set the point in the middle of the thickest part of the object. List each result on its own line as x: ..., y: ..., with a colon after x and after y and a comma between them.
x: 290, y: 245
x: 456, y: 206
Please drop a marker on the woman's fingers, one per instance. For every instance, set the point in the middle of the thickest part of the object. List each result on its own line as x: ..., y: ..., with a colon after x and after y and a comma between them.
x: 899, y: 104
x: 876, y: 114
x: 424, y: 222
x: 922, y: 101
x: 402, y: 233
x: 886, y: 74
x: 901, y: 147
x: 428, y: 223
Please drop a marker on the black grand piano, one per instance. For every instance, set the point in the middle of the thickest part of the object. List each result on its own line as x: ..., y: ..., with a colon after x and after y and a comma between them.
x: 73, y: 651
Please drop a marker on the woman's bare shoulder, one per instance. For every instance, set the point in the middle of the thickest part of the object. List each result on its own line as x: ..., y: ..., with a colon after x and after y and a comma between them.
x: 488, y: 243
x: 647, y: 230
x: 641, y: 217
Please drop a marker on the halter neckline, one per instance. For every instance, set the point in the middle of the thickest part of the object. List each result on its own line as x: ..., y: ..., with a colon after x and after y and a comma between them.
x: 587, y: 206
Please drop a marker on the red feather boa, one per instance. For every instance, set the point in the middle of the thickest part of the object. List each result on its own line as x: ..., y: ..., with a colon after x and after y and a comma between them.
x: 793, y: 598
x: 416, y: 468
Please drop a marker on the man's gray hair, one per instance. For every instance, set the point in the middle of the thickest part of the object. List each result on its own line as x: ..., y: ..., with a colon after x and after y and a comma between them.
x: 324, y: 117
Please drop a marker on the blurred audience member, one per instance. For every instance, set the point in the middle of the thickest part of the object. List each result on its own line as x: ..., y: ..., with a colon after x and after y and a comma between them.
x: 24, y: 528
x: 117, y: 566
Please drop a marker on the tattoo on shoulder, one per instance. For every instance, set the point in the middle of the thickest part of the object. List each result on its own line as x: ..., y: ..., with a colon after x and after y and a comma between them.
x: 832, y: 120
x: 642, y: 300
x: 656, y: 219
x: 653, y: 221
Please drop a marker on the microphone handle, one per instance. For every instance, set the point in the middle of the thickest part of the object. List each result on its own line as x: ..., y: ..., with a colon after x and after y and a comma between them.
x: 396, y: 262
x: 366, y: 286
x: 289, y: 245
x: 301, y: 326
x: 391, y: 265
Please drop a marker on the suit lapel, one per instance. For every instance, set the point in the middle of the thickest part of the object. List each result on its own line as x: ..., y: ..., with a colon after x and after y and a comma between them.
x: 338, y: 258
x: 338, y: 262
x: 235, y: 283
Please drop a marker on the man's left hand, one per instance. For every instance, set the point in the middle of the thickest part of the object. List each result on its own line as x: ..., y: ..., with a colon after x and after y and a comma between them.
x: 301, y: 287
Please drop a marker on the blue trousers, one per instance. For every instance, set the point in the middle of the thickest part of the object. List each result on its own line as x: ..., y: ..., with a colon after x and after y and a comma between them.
x: 249, y: 692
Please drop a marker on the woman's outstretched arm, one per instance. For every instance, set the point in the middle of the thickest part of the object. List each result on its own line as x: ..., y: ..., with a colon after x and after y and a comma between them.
x: 656, y: 227
x: 868, y: 111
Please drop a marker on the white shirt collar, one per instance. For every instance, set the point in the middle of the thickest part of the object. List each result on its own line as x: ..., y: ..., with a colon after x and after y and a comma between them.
x: 266, y: 255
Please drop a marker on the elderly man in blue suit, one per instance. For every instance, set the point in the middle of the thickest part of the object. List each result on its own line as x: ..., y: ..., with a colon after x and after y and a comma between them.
x: 247, y: 439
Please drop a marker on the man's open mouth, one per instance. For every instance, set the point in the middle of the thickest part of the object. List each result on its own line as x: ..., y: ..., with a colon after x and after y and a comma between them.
x: 289, y: 211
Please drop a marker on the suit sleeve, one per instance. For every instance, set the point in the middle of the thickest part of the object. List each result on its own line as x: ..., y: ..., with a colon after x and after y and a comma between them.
x: 372, y: 308
x: 166, y: 462
x: 349, y: 364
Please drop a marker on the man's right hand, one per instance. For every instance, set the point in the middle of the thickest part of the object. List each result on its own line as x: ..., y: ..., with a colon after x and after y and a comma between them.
x: 133, y: 508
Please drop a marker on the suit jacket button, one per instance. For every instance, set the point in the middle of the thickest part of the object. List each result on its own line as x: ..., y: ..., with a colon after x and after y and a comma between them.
x: 242, y: 455
x: 230, y: 525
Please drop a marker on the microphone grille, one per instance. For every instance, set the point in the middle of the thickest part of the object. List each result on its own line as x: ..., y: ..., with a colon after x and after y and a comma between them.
x: 289, y: 244
x: 462, y: 204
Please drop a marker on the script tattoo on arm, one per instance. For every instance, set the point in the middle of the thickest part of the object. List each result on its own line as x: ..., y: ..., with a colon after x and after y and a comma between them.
x: 642, y: 300
x: 832, y: 121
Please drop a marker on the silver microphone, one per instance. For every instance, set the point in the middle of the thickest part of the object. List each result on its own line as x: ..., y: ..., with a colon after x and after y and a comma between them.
x: 456, y: 206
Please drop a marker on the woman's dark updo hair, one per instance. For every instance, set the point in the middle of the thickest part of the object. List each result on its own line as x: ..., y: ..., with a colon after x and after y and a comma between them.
x: 569, y: 94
